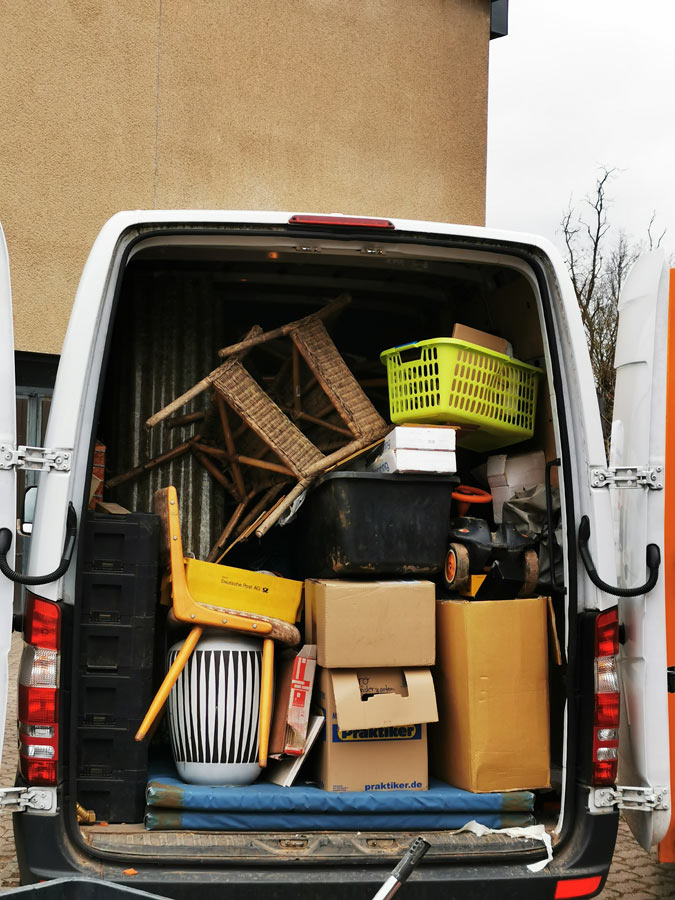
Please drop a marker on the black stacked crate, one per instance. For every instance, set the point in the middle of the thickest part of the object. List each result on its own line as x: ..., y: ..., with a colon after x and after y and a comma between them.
x: 118, y: 602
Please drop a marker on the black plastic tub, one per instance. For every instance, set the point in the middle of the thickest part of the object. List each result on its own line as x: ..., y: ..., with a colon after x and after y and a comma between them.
x: 366, y: 523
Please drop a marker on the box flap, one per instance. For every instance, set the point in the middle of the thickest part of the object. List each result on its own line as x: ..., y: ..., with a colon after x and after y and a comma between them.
x: 376, y: 698
x: 481, y: 338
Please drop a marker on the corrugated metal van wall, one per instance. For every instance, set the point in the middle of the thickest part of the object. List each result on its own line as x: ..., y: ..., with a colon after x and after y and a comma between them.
x: 167, y: 334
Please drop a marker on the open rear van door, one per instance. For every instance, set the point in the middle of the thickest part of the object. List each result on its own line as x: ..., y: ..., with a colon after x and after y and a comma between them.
x: 639, y: 482
x: 7, y: 475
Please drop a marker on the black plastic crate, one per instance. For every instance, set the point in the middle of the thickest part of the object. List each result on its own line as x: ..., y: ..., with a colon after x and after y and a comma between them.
x: 118, y: 649
x: 110, y: 752
x: 120, y: 543
x: 115, y: 598
x: 114, y: 701
x: 371, y: 524
x: 119, y: 798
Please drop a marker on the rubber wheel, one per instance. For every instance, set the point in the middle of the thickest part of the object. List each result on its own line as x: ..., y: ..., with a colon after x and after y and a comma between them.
x: 530, y: 573
x: 456, y: 574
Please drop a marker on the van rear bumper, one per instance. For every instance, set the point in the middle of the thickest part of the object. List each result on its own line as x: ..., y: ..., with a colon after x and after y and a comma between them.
x: 45, y: 851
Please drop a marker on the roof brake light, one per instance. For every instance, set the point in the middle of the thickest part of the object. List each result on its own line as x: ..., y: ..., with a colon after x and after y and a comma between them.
x: 343, y: 221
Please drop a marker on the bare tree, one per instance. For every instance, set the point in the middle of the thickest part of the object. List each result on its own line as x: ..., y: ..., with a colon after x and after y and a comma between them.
x: 598, y: 265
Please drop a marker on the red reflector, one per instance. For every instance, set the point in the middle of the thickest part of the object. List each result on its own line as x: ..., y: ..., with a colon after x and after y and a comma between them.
x: 604, y: 772
x: 607, y: 633
x: 38, y: 706
x: 577, y: 887
x: 42, y: 623
x: 607, y: 710
x: 38, y: 771
x: 351, y: 221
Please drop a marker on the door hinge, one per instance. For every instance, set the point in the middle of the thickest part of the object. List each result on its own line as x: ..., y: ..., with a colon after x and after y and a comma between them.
x: 628, y: 477
x: 621, y: 797
x: 34, y: 459
x: 18, y: 799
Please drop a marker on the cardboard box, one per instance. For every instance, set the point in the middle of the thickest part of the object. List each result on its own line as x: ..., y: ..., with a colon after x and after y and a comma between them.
x: 285, y: 769
x: 294, y: 684
x: 421, y: 437
x: 441, y: 462
x: 481, y: 339
x: 371, y: 745
x: 491, y: 680
x: 361, y: 624
x: 508, y: 474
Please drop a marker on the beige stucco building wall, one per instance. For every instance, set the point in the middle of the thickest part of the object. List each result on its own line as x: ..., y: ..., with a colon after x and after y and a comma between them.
x: 375, y: 107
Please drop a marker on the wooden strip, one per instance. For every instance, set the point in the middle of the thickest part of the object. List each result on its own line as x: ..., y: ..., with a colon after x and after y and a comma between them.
x: 198, y: 388
x: 215, y: 472
x: 176, y: 404
x: 279, y: 508
x: 247, y: 532
x: 329, y: 309
x: 150, y: 464
x: 263, y: 464
x: 297, y: 390
x: 227, y: 531
x: 316, y: 421
x: 244, y: 460
x: 187, y: 419
x: 259, y: 507
x: 218, y: 452
x: 229, y: 443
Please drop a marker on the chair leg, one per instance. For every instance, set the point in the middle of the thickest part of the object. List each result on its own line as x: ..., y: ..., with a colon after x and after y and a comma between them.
x: 266, y: 690
x: 169, y: 680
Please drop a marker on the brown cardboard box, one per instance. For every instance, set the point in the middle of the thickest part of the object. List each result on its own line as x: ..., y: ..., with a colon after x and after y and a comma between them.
x: 361, y: 624
x: 480, y: 338
x: 491, y: 680
x: 294, y: 683
x: 371, y: 745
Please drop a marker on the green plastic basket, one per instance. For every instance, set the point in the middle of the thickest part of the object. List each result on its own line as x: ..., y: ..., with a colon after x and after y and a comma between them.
x: 457, y: 383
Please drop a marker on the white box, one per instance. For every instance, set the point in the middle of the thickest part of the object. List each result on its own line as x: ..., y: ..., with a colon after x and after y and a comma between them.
x: 437, y: 462
x: 420, y: 437
x: 508, y: 474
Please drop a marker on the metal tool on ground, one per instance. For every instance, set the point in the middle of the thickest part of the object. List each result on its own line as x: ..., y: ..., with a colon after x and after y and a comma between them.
x: 407, y: 863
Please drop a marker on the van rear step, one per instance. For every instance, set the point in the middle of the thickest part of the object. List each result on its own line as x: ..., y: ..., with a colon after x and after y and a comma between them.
x: 136, y: 844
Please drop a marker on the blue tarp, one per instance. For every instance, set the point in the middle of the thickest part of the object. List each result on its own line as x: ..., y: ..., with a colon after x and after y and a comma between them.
x: 259, y: 807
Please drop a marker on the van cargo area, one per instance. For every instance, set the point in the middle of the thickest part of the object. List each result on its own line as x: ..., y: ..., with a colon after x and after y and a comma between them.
x: 181, y: 298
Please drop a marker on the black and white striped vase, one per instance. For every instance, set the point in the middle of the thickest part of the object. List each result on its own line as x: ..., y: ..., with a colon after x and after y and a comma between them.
x: 214, y: 709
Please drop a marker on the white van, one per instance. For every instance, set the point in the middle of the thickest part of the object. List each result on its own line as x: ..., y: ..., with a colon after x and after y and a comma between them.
x: 160, y: 293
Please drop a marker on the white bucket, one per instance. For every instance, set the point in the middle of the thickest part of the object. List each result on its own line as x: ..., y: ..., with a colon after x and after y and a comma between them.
x: 214, y: 710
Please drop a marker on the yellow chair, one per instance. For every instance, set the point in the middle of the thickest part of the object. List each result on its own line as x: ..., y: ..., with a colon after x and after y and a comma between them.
x: 188, y: 609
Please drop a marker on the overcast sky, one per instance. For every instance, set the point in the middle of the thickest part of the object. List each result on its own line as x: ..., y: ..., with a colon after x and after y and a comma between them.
x: 577, y: 85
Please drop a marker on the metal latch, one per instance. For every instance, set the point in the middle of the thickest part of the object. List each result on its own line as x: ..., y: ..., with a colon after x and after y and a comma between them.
x: 642, y: 798
x: 17, y: 799
x: 628, y: 477
x: 34, y: 459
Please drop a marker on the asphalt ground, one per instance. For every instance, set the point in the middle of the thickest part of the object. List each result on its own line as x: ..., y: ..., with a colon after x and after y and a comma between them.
x: 634, y: 873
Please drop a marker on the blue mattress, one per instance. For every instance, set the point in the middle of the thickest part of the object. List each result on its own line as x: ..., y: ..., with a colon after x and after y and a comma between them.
x: 173, y: 804
x: 157, y: 819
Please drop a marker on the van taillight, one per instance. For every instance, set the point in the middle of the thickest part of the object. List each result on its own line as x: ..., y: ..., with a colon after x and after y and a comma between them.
x: 344, y: 221
x: 39, y: 691
x: 606, y: 716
